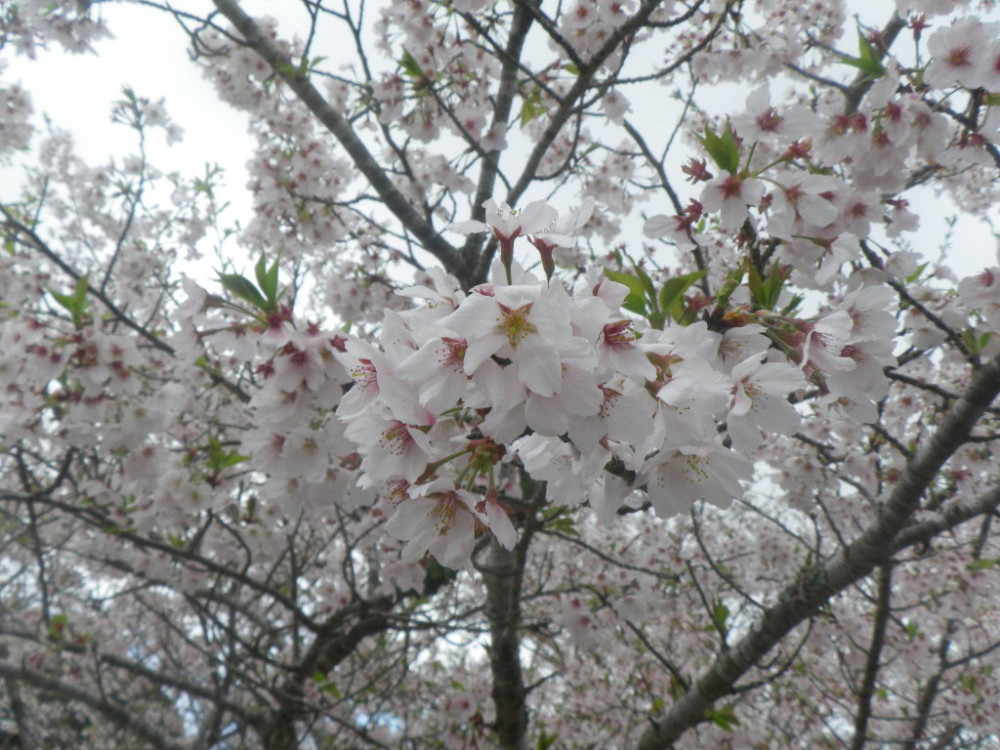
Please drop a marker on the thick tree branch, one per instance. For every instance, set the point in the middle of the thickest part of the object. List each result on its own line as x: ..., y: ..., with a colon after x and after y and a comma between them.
x: 122, y: 716
x: 520, y: 24
x: 818, y: 582
x: 332, y: 645
x: 337, y: 124
x: 874, y: 660
x: 502, y: 574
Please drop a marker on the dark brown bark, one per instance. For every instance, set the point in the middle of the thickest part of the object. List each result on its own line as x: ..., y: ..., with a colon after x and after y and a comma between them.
x: 502, y: 573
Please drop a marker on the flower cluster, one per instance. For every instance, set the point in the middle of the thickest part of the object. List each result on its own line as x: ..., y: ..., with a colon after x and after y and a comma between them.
x: 603, y: 407
x: 15, y: 126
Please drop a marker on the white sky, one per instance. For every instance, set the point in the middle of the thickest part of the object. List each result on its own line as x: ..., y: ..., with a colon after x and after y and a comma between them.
x: 77, y: 92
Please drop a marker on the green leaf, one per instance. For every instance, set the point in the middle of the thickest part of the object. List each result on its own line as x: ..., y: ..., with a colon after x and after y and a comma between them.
x: 546, y: 740
x: 557, y: 518
x: 981, y: 564
x: 869, y: 57
x: 66, y: 300
x: 232, y: 459
x: 657, y: 319
x: 677, y: 689
x: 789, y: 309
x: 648, y: 288
x: 267, y: 280
x: 76, y: 302
x: 766, y: 292
x: 671, y: 297
x: 58, y: 625
x: 564, y: 525
x: 722, y: 148
x: 636, y: 299
x: 971, y: 683
x: 332, y: 690
x: 915, y: 276
x: 215, y: 452
x: 733, y: 280
x: 867, y: 60
x: 975, y: 344
x: 219, y: 459
x: 723, y: 717
x: 531, y: 106
x: 721, y: 615
x: 410, y: 66
x: 307, y: 65
x: 260, y: 271
x: 243, y: 288
x: 635, y: 304
x: 80, y: 293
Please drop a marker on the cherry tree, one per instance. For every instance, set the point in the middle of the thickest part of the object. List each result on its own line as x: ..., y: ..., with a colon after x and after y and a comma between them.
x: 539, y: 403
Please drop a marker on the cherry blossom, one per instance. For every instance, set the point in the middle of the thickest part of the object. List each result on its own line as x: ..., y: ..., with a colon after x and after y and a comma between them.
x: 523, y: 324
x: 730, y: 195
x: 762, y: 120
x: 506, y: 225
x: 441, y: 521
x: 708, y: 461
x: 705, y: 471
x: 758, y: 401
x: 962, y: 53
x: 560, y: 234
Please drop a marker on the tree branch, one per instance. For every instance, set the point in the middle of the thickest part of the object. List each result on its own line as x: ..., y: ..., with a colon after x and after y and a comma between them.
x: 124, y: 717
x: 818, y: 582
x: 873, y: 662
x: 368, y: 165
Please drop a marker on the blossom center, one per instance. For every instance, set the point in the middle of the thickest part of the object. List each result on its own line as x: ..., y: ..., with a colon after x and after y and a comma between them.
x: 731, y: 187
x: 769, y: 121
x: 515, y: 324
x: 364, y: 374
x: 445, y: 512
x: 619, y: 335
x: 959, y: 57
